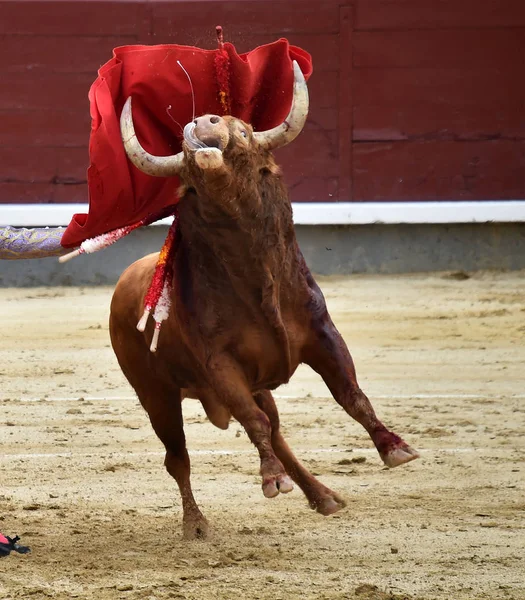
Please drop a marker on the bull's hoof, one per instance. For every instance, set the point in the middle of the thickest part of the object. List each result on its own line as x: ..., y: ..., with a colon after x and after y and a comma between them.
x: 277, y: 484
x: 328, y: 504
x: 195, y: 529
x: 399, y: 456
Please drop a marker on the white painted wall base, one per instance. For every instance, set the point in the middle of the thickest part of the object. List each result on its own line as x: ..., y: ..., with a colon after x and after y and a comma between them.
x: 314, y: 213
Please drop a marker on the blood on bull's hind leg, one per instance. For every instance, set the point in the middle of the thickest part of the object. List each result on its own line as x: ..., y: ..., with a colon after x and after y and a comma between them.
x: 231, y: 387
x: 328, y: 355
x: 320, y: 498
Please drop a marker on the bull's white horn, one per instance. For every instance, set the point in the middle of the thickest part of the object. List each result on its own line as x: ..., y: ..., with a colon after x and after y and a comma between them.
x: 158, y: 166
x: 292, y: 126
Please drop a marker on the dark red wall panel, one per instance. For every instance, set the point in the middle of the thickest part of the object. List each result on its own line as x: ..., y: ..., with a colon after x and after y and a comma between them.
x: 41, y: 55
x: 410, y: 99
x: 43, y: 165
x: 51, y: 51
x: 44, y: 128
x: 44, y: 193
x: 428, y: 81
x: 188, y: 22
x: 430, y: 103
x: 443, y: 48
x: 439, y: 170
x: 31, y: 91
x: 62, y: 18
x: 438, y: 14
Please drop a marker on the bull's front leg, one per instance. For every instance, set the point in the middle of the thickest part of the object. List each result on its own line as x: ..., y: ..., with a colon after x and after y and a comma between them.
x: 328, y: 354
x: 227, y: 380
x: 320, y: 498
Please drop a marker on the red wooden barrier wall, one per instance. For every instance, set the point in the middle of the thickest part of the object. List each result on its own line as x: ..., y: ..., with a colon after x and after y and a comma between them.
x: 410, y: 99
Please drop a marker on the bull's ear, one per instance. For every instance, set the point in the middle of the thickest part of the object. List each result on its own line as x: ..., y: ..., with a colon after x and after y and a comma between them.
x: 158, y: 166
x: 292, y: 126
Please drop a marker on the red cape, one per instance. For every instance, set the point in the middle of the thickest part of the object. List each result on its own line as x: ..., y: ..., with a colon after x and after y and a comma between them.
x: 261, y: 83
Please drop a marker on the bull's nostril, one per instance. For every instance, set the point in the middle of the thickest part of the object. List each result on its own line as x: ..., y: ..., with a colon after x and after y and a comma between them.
x: 195, y: 121
x: 214, y: 120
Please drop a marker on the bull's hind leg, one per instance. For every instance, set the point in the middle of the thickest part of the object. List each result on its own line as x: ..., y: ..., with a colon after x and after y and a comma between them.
x: 163, y: 403
x: 320, y: 498
x: 328, y: 355
x: 165, y: 413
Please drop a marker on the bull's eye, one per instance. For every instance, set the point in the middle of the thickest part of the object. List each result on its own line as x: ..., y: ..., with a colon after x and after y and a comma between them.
x: 244, y: 134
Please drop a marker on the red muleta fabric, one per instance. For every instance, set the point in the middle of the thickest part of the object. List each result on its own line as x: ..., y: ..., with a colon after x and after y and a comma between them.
x: 261, y: 83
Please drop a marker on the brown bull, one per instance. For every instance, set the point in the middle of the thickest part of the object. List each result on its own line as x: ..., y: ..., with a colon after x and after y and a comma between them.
x: 245, y: 311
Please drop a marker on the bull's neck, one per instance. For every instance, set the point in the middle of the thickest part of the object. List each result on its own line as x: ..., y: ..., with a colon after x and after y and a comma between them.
x: 247, y: 239
x: 241, y: 254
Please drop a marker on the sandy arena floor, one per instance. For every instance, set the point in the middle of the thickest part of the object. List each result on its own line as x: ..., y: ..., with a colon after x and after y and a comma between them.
x: 82, y: 479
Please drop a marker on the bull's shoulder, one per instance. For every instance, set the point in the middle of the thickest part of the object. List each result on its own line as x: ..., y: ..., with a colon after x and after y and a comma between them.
x: 134, y: 281
x: 140, y: 270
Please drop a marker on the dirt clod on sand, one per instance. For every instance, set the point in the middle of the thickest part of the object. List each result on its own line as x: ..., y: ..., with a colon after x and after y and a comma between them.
x: 83, y: 482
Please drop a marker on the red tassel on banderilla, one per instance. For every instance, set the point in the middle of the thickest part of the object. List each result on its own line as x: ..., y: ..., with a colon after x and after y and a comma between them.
x: 223, y: 72
x: 158, y: 296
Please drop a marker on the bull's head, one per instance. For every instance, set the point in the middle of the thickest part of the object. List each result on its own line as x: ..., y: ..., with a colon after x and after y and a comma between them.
x: 212, y: 142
